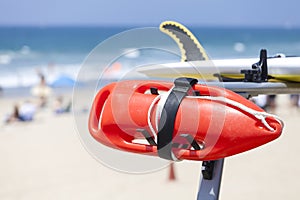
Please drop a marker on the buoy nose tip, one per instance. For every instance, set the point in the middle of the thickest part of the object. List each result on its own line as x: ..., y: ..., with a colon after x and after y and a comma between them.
x: 275, y: 128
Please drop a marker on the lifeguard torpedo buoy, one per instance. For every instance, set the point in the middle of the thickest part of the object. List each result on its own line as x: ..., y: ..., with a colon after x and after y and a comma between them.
x: 181, y: 120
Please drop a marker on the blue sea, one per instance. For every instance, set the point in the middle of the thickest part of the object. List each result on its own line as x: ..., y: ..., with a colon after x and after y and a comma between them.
x: 61, y: 51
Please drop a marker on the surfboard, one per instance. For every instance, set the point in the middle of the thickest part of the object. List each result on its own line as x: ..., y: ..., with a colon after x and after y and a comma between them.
x: 280, y: 69
x: 281, y: 73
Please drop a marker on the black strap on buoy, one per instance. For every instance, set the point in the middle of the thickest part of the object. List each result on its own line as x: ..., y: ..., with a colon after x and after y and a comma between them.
x: 168, y: 116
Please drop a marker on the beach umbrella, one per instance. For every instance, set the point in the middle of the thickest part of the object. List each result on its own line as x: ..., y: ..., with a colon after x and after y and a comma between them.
x: 63, y: 81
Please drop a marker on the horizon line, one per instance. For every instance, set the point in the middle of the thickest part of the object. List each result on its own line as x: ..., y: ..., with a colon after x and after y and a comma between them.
x: 128, y: 25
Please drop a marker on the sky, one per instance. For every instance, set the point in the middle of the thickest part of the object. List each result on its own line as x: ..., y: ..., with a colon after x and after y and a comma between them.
x: 254, y: 13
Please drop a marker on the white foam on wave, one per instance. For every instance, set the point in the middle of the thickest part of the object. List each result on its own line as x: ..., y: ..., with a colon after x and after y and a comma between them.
x: 25, y: 50
x: 5, y: 59
x: 239, y: 47
x: 9, y: 56
x: 131, y: 53
x: 27, y: 76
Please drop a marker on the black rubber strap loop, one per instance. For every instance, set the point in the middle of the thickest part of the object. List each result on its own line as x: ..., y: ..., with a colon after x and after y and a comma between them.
x: 168, y: 116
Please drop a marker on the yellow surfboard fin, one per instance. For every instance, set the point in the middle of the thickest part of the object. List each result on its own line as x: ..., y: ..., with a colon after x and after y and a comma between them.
x: 190, y: 47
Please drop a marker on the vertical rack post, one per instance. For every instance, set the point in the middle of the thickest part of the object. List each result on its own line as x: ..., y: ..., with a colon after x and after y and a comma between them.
x: 210, y: 180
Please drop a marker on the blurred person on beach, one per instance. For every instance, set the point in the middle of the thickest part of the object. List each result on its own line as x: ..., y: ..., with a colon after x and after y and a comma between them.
x: 42, y: 91
x: 295, y: 100
x: 266, y: 102
x: 271, y: 103
x: 260, y: 100
x: 23, y: 113
x: 59, y: 107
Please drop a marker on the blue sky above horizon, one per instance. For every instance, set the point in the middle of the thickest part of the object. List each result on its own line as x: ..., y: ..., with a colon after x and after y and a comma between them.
x: 254, y: 13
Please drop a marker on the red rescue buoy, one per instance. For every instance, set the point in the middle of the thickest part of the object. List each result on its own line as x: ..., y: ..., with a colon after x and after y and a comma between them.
x: 209, y: 122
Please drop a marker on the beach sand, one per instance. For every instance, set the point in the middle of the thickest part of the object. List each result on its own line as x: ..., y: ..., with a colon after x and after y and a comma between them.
x: 45, y: 159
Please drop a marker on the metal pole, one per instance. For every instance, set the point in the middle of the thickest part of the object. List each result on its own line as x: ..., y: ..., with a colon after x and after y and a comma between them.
x: 209, y: 188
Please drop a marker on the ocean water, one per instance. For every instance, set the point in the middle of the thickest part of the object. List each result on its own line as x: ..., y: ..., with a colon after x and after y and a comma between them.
x: 57, y: 50
x: 62, y: 51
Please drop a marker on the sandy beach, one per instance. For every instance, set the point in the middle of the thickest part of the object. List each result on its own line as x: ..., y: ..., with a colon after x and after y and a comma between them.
x: 44, y: 159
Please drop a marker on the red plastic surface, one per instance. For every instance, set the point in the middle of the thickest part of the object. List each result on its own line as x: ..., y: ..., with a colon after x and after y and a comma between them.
x: 119, y: 109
